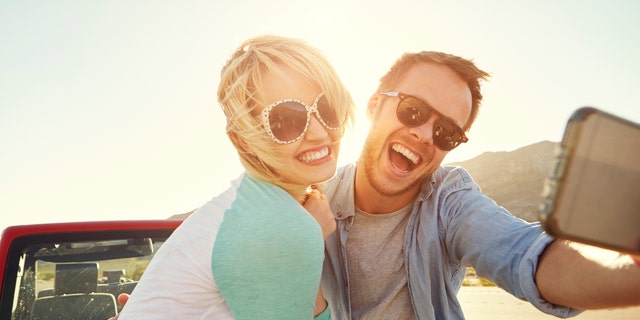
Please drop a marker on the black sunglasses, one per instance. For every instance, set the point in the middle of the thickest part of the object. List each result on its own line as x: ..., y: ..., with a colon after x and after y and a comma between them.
x: 286, y: 121
x: 413, y: 112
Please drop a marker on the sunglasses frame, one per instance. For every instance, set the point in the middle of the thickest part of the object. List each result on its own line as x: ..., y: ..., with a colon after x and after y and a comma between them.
x: 264, y: 116
x: 437, y: 126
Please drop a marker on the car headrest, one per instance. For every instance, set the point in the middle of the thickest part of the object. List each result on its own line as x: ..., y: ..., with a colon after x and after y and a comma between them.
x: 76, y: 278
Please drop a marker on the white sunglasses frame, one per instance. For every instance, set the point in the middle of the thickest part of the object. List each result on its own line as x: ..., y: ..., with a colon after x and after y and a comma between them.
x: 311, y: 109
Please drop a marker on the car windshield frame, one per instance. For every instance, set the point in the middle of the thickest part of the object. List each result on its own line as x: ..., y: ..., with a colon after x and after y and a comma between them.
x: 66, y: 245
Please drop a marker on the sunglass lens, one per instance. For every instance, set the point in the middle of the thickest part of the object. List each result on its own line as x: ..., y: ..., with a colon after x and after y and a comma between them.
x: 447, y: 135
x: 328, y: 114
x: 288, y: 120
x: 412, y: 112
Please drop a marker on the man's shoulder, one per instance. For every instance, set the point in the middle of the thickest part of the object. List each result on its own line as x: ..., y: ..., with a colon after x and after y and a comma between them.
x: 341, y: 181
x: 455, y: 172
x: 344, y: 174
x: 346, y: 171
x: 453, y: 177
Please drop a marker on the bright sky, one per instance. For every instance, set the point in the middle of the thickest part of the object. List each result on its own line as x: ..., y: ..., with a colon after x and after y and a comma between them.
x: 108, y: 108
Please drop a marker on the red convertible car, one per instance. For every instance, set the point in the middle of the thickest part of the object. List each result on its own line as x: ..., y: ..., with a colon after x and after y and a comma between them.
x: 74, y: 270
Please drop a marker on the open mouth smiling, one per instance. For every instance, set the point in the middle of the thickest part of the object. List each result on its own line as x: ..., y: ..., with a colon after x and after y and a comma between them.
x: 312, y: 156
x: 402, y: 158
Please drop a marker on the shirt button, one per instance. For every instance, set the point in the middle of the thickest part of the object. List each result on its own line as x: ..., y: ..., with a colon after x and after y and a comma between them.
x: 339, y: 214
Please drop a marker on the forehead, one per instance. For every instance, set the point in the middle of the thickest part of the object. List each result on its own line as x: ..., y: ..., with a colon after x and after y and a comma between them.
x: 439, y: 86
x: 286, y: 83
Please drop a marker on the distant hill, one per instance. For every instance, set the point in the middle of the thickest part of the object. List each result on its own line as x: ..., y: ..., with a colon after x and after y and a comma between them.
x: 181, y: 216
x: 513, y: 179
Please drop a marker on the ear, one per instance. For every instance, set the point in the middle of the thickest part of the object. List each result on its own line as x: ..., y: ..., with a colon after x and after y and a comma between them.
x: 373, y: 106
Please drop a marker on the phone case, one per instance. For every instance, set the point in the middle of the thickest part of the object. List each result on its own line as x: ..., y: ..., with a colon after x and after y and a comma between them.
x: 554, y: 180
x: 592, y: 194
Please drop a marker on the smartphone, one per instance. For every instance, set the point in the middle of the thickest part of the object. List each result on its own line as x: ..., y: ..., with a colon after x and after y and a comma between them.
x: 592, y: 194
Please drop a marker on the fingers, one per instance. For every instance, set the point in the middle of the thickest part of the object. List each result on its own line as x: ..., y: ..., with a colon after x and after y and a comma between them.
x: 316, y: 187
x: 314, y: 193
x: 317, y: 193
x: 122, y: 299
x: 317, y: 205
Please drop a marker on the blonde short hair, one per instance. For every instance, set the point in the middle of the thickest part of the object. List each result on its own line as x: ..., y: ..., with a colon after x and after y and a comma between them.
x: 464, y: 68
x: 241, y: 82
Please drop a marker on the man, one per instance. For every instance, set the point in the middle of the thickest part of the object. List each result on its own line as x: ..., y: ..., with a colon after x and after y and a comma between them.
x: 407, y: 227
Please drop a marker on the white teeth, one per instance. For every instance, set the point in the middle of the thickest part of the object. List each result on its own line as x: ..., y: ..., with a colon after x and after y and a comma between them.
x: 315, y: 155
x: 405, y: 152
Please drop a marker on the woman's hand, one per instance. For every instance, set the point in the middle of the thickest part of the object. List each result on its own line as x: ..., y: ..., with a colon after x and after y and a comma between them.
x: 122, y: 300
x: 317, y: 205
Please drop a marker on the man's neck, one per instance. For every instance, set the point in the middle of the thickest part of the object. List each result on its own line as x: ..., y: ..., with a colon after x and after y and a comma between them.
x: 370, y: 200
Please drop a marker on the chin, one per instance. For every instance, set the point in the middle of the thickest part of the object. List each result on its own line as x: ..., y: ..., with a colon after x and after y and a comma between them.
x: 322, y: 175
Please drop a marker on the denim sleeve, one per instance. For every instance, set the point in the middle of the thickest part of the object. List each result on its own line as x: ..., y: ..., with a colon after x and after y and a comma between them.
x: 500, y: 246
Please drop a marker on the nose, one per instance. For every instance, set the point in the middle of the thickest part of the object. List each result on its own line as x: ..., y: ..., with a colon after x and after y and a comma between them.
x: 424, y: 132
x: 315, y: 131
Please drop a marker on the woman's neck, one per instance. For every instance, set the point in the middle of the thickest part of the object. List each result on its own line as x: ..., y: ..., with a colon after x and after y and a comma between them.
x: 299, y: 193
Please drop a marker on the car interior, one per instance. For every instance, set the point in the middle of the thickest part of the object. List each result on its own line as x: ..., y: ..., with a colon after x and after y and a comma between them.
x: 77, y: 278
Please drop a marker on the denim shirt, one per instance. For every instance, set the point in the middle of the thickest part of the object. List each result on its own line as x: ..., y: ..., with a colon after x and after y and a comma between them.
x: 452, y: 225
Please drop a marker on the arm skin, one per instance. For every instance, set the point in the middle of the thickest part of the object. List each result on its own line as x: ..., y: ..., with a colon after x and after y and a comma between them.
x: 584, y: 277
x: 317, y: 205
x: 321, y: 304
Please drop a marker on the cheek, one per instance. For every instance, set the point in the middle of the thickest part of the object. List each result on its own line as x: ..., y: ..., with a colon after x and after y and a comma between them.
x: 282, y: 156
x: 336, y: 135
x: 385, y: 120
x: 436, y: 159
x: 287, y: 151
x: 374, y: 144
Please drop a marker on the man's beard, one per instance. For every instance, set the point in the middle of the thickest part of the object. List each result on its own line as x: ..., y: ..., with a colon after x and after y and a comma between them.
x: 370, y: 156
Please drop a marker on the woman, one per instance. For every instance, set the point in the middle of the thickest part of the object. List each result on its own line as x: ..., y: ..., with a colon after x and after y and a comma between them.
x: 256, y: 251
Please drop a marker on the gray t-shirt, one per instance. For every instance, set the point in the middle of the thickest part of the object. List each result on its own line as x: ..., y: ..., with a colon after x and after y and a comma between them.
x: 375, y: 260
